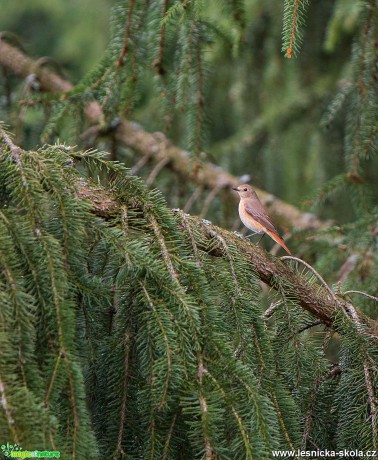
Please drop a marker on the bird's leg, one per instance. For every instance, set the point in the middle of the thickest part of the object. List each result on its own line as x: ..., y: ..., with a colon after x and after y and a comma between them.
x: 262, y: 236
x: 252, y: 234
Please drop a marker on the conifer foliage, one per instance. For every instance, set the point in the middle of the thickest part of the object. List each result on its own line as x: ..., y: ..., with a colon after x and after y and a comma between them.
x: 132, y: 330
x: 119, y: 335
x: 124, y: 333
x: 294, y: 16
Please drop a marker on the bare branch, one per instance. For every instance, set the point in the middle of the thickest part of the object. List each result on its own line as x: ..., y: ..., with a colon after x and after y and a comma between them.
x: 312, y: 269
x: 362, y: 293
x: 157, y: 147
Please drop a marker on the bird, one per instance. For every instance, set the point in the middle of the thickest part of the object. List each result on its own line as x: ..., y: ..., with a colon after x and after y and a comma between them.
x: 254, y: 216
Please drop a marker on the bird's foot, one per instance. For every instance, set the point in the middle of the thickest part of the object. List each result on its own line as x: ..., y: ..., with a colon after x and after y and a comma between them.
x: 256, y: 233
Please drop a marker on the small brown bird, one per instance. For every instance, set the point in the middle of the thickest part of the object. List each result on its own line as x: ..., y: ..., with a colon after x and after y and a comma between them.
x: 254, y: 216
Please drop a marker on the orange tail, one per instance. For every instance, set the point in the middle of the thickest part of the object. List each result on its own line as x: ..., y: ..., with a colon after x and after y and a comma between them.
x: 278, y: 240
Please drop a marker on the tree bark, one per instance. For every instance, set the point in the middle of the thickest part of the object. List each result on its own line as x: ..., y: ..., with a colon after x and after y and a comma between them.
x: 155, y: 145
x: 312, y: 297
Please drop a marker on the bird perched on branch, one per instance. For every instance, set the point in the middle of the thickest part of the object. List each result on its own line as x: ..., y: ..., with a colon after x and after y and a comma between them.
x: 254, y: 216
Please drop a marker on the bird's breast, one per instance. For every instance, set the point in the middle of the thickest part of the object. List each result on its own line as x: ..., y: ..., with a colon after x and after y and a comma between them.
x: 248, y: 220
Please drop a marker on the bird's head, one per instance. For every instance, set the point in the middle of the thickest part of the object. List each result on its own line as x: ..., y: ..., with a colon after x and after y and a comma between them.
x: 244, y: 190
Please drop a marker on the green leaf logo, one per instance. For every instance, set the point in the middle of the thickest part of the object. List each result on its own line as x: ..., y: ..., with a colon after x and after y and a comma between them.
x: 9, y: 448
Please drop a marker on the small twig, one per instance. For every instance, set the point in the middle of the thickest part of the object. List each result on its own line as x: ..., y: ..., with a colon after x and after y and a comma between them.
x: 125, y: 48
x: 151, y: 178
x: 209, y: 451
x: 315, y: 273
x: 289, y: 51
x: 159, y: 63
x: 372, y: 402
x: 126, y: 376
x: 164, y: 249
x: 347, y: 267
x: 140, y: 163
x: 166, y: 341
x: 209, y: 199
x: 273, y: 307
x: 52, y: 380
x: 308, y: 420
x: 353, y: 313
x: 193, y: 198
x: 8, y: 141
x: 193, y: 241
x: 169, y: 438
x: 230, y: 261
x: 304, y: 328
x: 362, y: 293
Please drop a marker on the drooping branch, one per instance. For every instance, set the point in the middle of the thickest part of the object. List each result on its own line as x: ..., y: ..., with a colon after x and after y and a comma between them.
x: 210, y: 176
x: 156, y: 146
x: 312, y: 297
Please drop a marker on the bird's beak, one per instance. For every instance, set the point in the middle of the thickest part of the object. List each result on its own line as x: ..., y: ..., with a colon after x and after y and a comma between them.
x: 235, y: 188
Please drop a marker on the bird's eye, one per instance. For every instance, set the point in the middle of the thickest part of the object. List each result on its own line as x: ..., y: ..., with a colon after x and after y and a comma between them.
x: 245, y: 189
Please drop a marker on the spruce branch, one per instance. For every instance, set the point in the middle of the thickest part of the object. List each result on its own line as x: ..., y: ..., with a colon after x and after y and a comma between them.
x: 126, y: 377
x: 164, y: 250
x: 125, y: 47
x: 209, y: 451
x: 314, y: 272
x: 155, y: 146
x: 159, y: 62
x: 169, y: 438
x: 169, y: 259
x: 167, y: 347
x: 294, y: 15
x: 316, y: 299
x: 241, y: 424
x: 320, y: 301
x: 334, y: 372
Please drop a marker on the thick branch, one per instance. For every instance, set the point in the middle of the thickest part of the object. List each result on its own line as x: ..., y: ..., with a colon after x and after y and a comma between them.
x: 17, y: 62
x: 210, y: 176
x: 316, y: 299
x: 157, y: 146
x: 312, y: 297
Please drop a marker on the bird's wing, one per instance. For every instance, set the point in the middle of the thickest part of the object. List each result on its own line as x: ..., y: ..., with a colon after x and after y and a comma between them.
x: 257, y: 211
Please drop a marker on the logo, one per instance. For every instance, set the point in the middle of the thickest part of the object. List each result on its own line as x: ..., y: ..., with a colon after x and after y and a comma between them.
x: 15, y: 451
x: 9, y: 448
